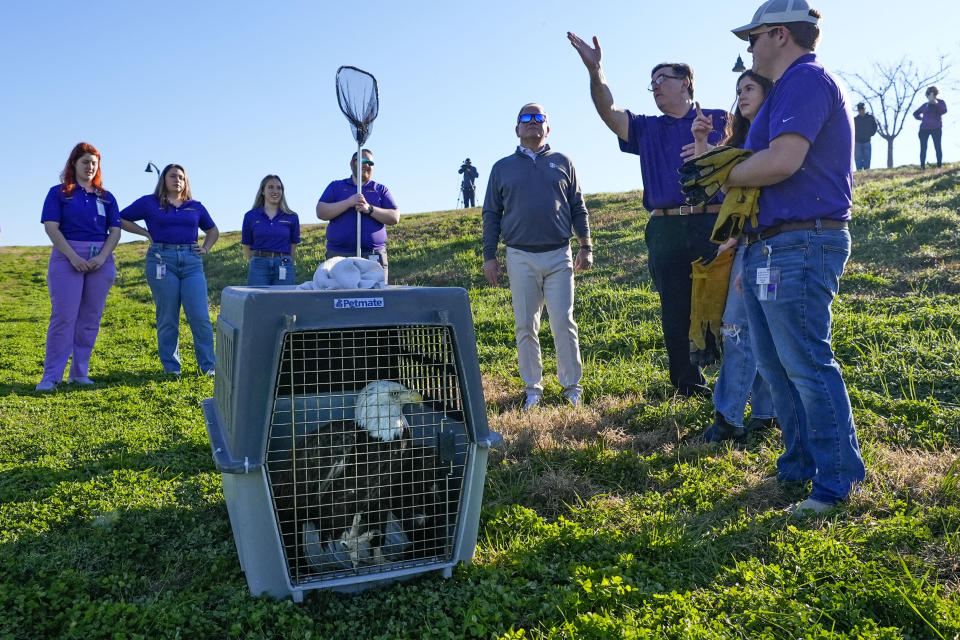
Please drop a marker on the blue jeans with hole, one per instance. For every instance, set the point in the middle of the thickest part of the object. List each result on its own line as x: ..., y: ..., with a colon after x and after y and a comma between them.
x: 176, y: 278
x: 791, y: 338
x: 739, y: 379
x: 266, y: 271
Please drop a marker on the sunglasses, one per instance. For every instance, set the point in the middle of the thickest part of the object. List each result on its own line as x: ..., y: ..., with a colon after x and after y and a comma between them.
x: 367, y: 161
x: 536, y: 117
x: 656, y: 82
x: 753, y: 37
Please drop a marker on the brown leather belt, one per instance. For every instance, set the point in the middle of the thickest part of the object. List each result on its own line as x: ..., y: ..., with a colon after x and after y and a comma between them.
x: 269, y: 254
x: 808, y: 225
x: 686, y: 210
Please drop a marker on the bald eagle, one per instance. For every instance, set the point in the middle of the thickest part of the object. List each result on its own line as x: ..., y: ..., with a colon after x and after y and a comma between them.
x: 355, y: 478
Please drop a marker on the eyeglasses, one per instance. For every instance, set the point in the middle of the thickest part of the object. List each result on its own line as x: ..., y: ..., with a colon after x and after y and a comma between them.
x: 753, y: 37
x: 536, y: 117
x: 656, y: 82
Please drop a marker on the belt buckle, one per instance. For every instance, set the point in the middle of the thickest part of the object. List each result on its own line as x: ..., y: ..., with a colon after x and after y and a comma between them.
x: 689, y: 209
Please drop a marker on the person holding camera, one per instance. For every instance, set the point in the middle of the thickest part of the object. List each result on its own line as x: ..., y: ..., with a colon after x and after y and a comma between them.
x: 467, y: 186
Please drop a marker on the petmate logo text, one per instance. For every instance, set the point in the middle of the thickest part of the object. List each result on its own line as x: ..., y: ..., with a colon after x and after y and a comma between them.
x: 358, y: 303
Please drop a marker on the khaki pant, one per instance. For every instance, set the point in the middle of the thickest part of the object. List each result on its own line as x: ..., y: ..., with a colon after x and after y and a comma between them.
x: 535, y: 279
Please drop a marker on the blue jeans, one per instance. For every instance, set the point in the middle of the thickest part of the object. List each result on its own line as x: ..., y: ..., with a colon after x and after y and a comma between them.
x: 180, y: 281
x: 861, y: 155
x: 791, y: 338
x: 739, y: 379
x: 266, y: 271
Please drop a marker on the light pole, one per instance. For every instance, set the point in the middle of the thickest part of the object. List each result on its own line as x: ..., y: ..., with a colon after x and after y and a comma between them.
x: 152, y: 167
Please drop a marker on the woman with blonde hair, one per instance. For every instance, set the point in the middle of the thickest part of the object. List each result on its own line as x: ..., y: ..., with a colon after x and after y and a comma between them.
x: 83, y: 222
x: 269, y: 236
x: 174, y: 264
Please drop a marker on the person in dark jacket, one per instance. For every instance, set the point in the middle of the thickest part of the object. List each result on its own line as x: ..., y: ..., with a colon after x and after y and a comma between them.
x: 468, y: 186
x: 864, y: 128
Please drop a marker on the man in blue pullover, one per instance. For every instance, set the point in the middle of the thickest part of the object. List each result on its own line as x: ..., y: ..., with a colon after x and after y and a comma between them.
x: 534, y: 204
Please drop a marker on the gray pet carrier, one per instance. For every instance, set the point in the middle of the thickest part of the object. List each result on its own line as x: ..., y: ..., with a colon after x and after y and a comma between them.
x: 351, y: 432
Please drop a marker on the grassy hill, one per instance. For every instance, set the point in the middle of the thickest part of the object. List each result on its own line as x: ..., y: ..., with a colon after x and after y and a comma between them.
x: 609, y: 520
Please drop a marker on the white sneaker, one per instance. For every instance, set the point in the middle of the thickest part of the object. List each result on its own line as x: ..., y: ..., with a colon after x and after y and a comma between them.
x: 809, y: 507
x: 574, y: 397
x: 45, y: 385
x: 79, y: 380
x: 531, y: 401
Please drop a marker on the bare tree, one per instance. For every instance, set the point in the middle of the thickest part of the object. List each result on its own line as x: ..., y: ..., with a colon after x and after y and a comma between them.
x: 894, y: 87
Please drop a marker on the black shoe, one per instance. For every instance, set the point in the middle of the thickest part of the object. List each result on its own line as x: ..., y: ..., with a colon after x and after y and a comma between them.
x: 694, y: 391
x: 722, y: 430
x: 759, y: 425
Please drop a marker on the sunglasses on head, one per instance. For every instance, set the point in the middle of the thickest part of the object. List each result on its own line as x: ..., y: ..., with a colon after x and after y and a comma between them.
x: 536, y: 117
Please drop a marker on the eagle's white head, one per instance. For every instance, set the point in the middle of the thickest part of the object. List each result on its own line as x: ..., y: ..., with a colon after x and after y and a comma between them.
x: 379, y: 408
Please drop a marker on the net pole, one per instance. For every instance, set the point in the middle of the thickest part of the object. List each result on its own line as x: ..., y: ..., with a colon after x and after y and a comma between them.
x: 359, y: 179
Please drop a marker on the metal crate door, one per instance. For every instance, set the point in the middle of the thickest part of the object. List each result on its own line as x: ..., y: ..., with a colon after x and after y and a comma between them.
x: 349, y: 504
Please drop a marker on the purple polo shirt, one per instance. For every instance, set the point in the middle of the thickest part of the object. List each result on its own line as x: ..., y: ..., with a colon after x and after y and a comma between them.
x: 83, y: 217
x: 342, y: 230
x: 930, y: 116
x: 170, y: 225
x: 808, y: 101
x: 658, y: 141
x: 260, y: 233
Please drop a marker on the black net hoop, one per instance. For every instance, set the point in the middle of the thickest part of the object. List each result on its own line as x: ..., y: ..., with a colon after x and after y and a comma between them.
x: 359, y: 100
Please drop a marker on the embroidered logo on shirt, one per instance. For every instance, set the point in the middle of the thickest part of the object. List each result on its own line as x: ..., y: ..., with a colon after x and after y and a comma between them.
x: 785, y: 120
x: 553, y: 166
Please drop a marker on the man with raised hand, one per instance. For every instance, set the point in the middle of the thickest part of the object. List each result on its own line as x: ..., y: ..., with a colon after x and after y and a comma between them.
x: 802, y: 139
x: 534, y: 204
x: 677, y: 234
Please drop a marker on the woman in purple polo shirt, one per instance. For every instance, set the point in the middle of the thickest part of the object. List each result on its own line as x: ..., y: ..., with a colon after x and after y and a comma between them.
x: 930, y: 115
x: 270, y: 236
x: 174, y: 266
x: 83, y: 222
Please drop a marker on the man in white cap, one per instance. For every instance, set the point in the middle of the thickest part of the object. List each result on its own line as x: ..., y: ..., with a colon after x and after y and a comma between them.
x: 802, y: 139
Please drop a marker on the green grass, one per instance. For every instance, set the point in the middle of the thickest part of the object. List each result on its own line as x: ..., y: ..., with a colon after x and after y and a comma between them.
x: 605, y: 521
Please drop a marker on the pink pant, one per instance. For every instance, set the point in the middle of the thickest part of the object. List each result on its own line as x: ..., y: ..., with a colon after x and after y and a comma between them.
x: 77, y: 301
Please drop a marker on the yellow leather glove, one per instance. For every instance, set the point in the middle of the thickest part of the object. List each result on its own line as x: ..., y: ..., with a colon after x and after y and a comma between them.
x: 708, y: 298
x: 702, y: 176
x: 739, y: 205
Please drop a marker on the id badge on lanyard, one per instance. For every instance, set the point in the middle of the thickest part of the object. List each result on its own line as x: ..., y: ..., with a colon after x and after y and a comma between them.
x: 768, y: 278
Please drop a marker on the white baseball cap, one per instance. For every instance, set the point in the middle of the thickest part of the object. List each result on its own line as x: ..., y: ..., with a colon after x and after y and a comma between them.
x: 777, y: 12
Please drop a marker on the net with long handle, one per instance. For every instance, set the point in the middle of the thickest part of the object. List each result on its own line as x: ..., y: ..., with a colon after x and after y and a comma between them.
x: 360, y: 101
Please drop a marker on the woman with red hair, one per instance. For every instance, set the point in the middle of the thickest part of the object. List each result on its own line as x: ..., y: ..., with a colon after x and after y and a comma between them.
x: 83, y: 222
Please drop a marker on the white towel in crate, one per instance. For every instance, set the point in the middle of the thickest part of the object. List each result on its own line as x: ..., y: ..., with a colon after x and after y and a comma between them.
x: 346, y: 273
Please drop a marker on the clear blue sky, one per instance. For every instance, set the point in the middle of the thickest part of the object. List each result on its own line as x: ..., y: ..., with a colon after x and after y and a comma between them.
x: 236, y: 90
